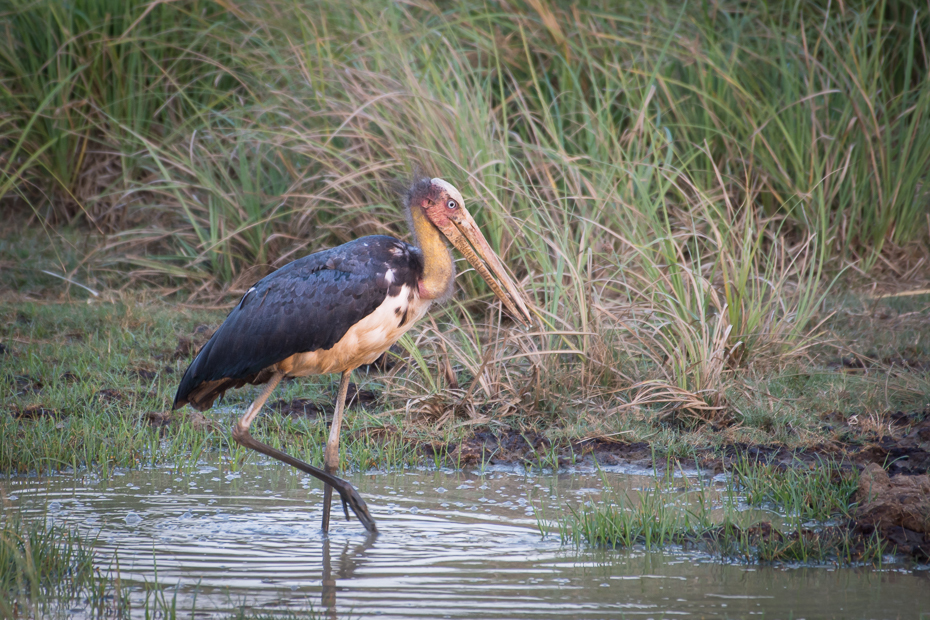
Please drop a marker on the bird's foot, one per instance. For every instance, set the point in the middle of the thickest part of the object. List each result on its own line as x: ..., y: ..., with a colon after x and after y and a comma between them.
x: 351, y: 499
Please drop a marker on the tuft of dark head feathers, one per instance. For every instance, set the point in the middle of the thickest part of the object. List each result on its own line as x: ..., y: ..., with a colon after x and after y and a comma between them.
x: 418, y: 190
x: 414, y: 192
x: 403, y: 186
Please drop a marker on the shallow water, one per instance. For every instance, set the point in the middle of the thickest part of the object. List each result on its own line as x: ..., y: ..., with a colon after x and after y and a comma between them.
x: 452, y: 545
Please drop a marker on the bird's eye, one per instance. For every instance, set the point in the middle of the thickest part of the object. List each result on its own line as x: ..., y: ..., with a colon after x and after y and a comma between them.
x: 451, y: 204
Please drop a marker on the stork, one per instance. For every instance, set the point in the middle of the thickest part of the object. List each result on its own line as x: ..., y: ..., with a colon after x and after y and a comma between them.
x: 337, y: 309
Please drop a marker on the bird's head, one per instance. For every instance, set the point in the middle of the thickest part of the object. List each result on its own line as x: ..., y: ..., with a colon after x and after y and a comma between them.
x: 443, y: 206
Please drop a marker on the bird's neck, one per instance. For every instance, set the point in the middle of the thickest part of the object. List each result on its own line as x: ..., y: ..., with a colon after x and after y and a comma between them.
x: 438, y: 266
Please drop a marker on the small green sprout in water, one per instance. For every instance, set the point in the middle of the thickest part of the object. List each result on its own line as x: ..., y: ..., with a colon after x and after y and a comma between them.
x: 808, y: 492
x: 667, y: 515
x: 47, y: 567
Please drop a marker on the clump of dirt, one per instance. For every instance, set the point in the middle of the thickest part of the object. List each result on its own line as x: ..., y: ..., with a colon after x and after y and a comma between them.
x: 33, y: 412
x: 198, y: 421
x: 897, y: 508
x: 111, y: 395
x: 158, y: 418
x: 299, y: 407
x: 852, y: 364
x: 906, y: 451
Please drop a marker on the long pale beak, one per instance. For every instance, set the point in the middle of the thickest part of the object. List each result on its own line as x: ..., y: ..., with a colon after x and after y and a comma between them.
x: 464, y: 233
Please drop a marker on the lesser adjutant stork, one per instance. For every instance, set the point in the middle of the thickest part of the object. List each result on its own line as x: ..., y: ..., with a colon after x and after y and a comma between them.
x: 338, y: 309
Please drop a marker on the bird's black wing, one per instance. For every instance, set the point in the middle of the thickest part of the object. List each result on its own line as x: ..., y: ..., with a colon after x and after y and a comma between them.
x: 306, y: 305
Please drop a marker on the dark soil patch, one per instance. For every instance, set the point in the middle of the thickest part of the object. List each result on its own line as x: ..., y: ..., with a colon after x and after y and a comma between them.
x: 24, y: 384
x: 34, y: 412
x: 110, y: 395
x: 299, y: 407
x: 197, y: 420
x: 905, y: 452
x: 508, y: 447
x: 358, y: 398
x: 854, y: 364
x: 158, y: 418
x: 147, y: 374
x: 190, y: 345
x: 307, y: 408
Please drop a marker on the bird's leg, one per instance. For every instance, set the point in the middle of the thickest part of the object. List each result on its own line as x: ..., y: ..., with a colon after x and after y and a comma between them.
x: 350, y: 497
x: 252, y: 412
x: 331, y: 456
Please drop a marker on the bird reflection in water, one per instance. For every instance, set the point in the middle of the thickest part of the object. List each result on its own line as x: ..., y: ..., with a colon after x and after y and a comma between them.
x: 349, y: 561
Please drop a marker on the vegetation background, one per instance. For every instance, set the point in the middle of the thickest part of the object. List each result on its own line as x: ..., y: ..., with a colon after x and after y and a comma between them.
x: 679, y: 187
x: 720, y: 210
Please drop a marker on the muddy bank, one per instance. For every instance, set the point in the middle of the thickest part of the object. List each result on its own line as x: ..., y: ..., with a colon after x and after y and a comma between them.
x: 892, y: 503
x: 905, y: 452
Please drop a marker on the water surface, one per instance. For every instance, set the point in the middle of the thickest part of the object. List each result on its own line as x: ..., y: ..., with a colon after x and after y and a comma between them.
x: 452, y: 545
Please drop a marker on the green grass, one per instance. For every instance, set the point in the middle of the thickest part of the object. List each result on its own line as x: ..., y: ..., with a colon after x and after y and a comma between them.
x: 803, y: 493
x: 79, y: 383
x: 78, y: 387
x: 45, y: 567
x: 48, y: 571
x: 803, y: 504
x: 253, y: 120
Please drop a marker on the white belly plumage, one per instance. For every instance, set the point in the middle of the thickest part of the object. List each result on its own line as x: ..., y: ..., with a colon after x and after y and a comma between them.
x: 365, y: 341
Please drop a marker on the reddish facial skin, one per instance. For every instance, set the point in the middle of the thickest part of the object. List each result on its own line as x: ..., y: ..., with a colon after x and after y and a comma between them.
x: 434, y: 201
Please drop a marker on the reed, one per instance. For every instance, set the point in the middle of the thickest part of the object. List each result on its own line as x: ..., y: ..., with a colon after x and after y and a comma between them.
x: 674, y: 186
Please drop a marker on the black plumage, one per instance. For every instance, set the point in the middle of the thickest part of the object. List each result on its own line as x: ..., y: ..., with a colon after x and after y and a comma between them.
x: 304, y: 306
x: 336, y: 310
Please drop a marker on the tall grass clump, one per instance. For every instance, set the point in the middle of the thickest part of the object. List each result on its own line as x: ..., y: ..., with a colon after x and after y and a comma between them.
x: 804, y: 493
x: 673, y: 184
x: 87, y: 84
x: 651, y: 518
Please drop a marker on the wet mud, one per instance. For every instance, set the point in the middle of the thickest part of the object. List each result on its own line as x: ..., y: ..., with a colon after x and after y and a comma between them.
x: 896, y: 508
x: 893, y: 501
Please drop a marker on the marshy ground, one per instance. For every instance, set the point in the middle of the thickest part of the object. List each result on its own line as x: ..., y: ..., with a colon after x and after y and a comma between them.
x: 90, y: 383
